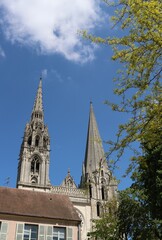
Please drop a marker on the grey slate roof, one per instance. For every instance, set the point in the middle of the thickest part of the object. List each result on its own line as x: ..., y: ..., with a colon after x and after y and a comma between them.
x: 36, y: 204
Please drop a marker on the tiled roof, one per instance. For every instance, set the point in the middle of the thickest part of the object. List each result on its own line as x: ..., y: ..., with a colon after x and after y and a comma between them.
x: 36, y: 204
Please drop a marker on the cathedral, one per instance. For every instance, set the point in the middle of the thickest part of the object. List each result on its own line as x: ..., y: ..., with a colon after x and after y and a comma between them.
x: 37, y: 210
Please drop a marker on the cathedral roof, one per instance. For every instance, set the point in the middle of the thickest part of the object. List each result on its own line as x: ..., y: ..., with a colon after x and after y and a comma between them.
x: 36, y: 204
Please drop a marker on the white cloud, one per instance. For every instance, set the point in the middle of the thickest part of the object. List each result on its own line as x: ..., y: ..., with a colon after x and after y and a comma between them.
x: 51, y: 26
x: 2, y: 53
x: 57, y: 75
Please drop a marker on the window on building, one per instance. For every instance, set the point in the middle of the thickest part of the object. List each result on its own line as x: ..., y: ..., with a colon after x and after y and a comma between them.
x: 30, y: 140
x: 59, y: 233
x: 102, y: 173
x: 45, y: 142
x: 90, y: 189
x: 37, y: 141
x: 103, y: 193
x: 3, y: 230
x: 30, y: 232
x: 42, y: 232
x: 69, y: 183
x: 35, y: 165
x: 98, y: 209
x: 34, y: 180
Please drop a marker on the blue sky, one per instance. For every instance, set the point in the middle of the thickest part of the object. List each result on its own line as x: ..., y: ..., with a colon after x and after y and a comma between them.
x: 42, y: 37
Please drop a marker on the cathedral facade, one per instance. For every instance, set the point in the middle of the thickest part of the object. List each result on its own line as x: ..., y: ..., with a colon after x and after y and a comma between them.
x: 97, y: 185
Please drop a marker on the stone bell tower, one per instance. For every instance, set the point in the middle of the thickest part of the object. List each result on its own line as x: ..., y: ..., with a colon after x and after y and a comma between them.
x: 96, y: 177
x: 33, y: 167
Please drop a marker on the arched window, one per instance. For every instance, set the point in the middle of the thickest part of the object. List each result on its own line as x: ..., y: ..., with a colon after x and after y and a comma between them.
x: 103, y: 181
x: 45, y: 142
x: 69, y: 183
x: 35, y: 165
x: 103, y: 193
x: 90, y: 189
x: 37, y: 141
x: 34, y: 180
x: 30, y: 140
x: 98, y: 209
x: 102, y: 173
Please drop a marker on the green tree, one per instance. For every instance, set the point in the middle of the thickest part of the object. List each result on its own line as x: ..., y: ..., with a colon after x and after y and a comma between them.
x: 105, y: 227
x: 139, y: 214
x: 139, y: 50
x: 134, y: 220
x: 147, y: 176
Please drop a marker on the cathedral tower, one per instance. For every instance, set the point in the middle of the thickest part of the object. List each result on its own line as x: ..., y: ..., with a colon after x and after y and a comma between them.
x: 33, y: 167
x: 96, y: 176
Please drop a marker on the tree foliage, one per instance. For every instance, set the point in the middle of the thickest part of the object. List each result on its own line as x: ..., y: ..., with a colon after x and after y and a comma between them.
x: 139, y: 212
x: 105, y: 227
x: 147, y: 177
x: 133, y: 219
x: 139, y: 50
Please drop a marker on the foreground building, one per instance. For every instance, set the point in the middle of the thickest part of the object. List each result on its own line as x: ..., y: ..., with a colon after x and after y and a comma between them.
x: 31, y: 215
x: 65, y: 211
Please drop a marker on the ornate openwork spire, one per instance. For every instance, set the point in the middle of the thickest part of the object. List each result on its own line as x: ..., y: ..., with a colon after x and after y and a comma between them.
x: 37, y: 112
x: 33, y: 168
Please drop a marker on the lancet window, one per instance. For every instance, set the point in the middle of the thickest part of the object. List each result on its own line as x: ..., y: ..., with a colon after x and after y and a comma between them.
x: 98, y: 209
x: 45, y: 142
x: 35, y: 165
x: 37, y: 139
x: 90, y: 189
x: 30, y: 140
x: 103, y: 193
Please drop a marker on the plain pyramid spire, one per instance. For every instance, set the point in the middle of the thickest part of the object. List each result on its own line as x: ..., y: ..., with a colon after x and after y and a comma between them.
x: 94, y: 155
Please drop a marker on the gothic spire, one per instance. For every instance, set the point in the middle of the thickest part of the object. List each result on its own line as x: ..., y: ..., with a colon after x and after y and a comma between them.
x: 33, y: 168
x: 37, y: 112
x: 94, y: 156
